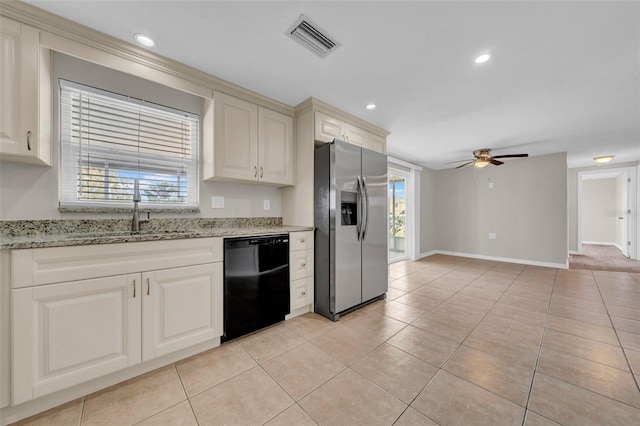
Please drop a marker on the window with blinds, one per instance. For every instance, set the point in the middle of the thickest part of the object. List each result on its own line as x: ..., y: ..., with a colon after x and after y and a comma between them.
x: 109, y: 140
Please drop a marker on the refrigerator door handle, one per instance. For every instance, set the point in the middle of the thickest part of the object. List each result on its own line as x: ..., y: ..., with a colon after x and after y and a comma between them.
x: 359, y: 207
x: 365, y: 225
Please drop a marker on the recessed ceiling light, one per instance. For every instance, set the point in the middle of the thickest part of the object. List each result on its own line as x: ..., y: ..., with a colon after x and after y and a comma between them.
x: 604, y: 158
x: 371, y: 106
x: 482, y: 58
x: 144, y: 40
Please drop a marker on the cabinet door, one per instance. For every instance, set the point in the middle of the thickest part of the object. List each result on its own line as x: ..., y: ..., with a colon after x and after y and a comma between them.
x: 235, y: 138
x: 355, y: 135
x: 25, y: 95
x: 328, y: 128
x: 376, y: 143
x: 275, y: 147
x: 65, y: 334
x: 181, y: 307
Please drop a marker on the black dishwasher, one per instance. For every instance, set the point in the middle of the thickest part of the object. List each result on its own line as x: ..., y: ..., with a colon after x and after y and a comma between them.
x: 256, y: 283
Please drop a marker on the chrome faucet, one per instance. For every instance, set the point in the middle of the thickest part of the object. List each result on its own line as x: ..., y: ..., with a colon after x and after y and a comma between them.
x: 135, y: 222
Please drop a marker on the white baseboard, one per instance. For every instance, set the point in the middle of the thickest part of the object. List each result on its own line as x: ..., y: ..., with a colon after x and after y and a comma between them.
x: 428, y: 253
x: 599, y: 243
x: 500, y: 259
x: 574, y: 252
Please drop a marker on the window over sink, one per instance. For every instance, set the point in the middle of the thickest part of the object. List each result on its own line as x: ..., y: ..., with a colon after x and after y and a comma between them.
x: 109, y: 140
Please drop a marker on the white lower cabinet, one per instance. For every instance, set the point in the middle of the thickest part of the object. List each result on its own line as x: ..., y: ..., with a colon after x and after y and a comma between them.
x: 301, y: 269
x: 180, y: 308
x: 71, y: 332
x: 65, y: 334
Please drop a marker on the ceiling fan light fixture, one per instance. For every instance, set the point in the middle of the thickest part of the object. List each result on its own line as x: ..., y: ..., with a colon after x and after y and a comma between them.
x: 603, y: 159
x: 481, y: 163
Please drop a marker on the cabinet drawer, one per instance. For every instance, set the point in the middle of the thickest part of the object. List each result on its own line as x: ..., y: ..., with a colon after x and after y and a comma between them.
x: 59, y: 264
x: 300, y: 241
x: 301, y: 264
x: 301, y: 292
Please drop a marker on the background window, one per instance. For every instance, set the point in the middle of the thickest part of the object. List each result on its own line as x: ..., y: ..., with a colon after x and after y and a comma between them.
x: 108, y: 140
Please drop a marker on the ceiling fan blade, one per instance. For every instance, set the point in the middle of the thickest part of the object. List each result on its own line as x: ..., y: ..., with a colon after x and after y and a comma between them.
x: 495, y: 162
x: 510, y: 156
x: 466, y: 164
x: 459, y: 161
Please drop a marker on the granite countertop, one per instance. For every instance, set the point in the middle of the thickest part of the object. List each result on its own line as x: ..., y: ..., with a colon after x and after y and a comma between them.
x: 24, y: 234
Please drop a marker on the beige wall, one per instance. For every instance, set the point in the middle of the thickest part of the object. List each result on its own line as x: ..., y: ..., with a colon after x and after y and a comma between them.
x: 427, y: 215
x: 31, y: 192
x: 599, y: 218
x: 526, y: 209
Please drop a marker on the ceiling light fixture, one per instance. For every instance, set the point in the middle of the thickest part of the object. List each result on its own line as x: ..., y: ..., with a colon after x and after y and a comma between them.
x: 603, y: 158
x: 371, y: 106
x: 144, y: 40
x: 481, y: 163
x: 482, y: 58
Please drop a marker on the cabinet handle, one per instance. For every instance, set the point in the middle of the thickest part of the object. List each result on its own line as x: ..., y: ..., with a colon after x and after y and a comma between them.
x: 134, y: 289
x: 260, y: 171
x: 255, y: 171
x: 29, y: 140
x: 148, y: 286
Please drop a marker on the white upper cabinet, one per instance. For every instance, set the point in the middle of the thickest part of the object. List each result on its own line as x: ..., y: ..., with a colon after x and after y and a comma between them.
x: 235, y: 138
x: 25, y: 95
x: 328, y: 128
x: 250, y: 143
x: 275, y: 147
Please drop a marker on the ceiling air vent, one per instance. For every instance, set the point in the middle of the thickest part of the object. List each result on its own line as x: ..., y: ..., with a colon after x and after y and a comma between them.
x: 308, y: 34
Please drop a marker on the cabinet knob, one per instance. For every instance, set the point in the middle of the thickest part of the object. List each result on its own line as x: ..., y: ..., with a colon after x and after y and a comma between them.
x: 302, y: 240
x: 304, y: 293
x: 303, y: 265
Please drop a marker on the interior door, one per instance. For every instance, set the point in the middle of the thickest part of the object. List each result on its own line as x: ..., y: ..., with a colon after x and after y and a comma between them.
x: 348, y: 274
x: 374, y: 243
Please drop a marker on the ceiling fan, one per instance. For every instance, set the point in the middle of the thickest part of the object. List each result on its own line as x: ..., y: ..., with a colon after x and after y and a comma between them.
x: 483, y: 158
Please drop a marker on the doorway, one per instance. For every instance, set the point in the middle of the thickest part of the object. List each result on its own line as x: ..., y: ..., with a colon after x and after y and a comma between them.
x: 607, y: 220
x: 398, y: 224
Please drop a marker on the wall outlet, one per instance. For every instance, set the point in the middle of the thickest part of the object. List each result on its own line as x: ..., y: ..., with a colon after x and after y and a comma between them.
x: 492, y: 236
x: 490, y: 185
x: 267, y: 204
x: 217, y: 202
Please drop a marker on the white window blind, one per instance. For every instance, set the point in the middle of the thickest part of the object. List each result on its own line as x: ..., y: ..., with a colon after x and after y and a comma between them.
x: 109, y: 140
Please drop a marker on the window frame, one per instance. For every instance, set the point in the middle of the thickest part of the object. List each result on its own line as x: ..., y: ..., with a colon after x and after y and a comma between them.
x: 71, y: 164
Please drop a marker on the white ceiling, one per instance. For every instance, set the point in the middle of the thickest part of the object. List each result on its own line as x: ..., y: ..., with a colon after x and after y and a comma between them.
x: 565, y: 75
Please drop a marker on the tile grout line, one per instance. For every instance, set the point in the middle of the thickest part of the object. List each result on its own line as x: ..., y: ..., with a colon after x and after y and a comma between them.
x: 544, y: 330
x: 175, y: 367
x: 615, y: 330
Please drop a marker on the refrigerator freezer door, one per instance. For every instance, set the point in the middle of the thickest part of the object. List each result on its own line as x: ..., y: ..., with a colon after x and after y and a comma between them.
x: 374, y: 244
x: 347, y: 255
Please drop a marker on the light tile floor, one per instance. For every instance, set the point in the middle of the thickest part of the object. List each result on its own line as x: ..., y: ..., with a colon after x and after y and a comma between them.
x: 458, y: 341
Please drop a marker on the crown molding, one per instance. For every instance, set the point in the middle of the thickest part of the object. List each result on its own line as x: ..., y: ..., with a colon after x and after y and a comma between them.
x: 61, y: 27
x: 318, y: 105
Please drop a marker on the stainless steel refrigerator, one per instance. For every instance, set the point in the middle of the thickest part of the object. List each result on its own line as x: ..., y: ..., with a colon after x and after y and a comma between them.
x: 351, y: 227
